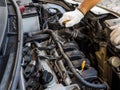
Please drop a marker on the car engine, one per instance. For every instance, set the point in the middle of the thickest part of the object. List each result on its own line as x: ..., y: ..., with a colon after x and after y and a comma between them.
x: 58, y: 58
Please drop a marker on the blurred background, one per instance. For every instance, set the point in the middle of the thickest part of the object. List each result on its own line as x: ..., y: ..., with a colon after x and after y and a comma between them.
x: 110, y: 4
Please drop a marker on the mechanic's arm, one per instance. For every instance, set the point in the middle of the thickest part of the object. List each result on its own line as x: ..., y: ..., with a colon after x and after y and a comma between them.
x: 74, y: 17
x: 87, y: 5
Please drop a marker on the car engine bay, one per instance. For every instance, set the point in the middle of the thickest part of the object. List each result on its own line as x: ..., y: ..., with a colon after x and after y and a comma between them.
x: 58, y: 58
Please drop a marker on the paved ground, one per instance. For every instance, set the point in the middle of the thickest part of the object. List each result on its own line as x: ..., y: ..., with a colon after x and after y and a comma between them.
x: 110, y: 4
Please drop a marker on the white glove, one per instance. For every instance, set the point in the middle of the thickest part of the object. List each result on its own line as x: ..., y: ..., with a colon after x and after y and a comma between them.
x: 115, y: 35
x: 73, y: 17
x: 71, y: 2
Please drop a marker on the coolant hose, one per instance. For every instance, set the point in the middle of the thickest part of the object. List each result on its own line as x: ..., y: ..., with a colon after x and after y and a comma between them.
x: 18, y: 58
x: 91, y: 85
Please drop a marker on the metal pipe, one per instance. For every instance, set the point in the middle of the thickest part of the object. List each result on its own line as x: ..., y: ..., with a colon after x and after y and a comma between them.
x: 65, y: 75
x: 16, y: 71
x: 21, y: 80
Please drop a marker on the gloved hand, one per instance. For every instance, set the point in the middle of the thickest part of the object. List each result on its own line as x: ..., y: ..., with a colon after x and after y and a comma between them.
x: 73, y: 17
x: 71, y: 1
x: 115, y: 35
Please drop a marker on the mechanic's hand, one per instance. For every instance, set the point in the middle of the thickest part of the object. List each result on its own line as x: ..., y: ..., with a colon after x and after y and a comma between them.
x: 115, y: 35
x: 73, y: 17
x: 71, y: 1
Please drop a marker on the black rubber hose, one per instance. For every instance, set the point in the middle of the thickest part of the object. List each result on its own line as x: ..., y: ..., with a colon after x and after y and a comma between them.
x: 91, y: 85
x: 88, y: 84
x: 16, y: 72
